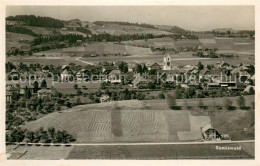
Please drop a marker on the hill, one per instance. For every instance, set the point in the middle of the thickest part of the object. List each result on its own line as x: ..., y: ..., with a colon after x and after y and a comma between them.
x: 173, y: 29
x: 37, y: 21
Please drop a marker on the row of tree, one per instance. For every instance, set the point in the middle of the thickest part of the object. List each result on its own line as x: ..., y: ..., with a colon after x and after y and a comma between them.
x: 39, y: 136
x: 21, y: 30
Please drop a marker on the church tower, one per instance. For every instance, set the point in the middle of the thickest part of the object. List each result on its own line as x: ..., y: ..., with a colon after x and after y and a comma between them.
x: 167, y: 62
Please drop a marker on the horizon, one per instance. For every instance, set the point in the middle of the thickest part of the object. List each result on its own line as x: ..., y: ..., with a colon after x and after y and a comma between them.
x: 211, y: 17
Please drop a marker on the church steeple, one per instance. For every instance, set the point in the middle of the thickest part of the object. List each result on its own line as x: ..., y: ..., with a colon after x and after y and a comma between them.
x: 167, y: 62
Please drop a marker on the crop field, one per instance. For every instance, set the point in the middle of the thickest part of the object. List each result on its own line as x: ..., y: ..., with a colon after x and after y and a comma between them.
x: 133, y: 122
x: 140, y: 121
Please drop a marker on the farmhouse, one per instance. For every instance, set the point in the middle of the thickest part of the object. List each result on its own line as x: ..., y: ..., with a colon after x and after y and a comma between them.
x: 73, y: 25
x: 213, y: 85
x: 154, y: 66
x: 210, y: 134
x: 14, y: 74
x: 10, y: 90
x: 44, y: 93
x: 45, y: 69
x: 104, y: 98
x: 65, y: 75
x: 115, y: 77
x: 140, y: 82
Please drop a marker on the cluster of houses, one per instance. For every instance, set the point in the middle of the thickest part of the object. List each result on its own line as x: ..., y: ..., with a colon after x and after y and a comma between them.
x: 217, y: 75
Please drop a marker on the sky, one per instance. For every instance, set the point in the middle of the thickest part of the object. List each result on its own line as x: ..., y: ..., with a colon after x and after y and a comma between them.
x: 195, y: 18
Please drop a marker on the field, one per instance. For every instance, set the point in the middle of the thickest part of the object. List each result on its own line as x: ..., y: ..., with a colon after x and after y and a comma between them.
x: 39, y: 152
x: 116, y: 29
x: 156, y: 152
x: 98, y: 48
x: 143, y: 121
x: 141, y: 152
x: 12, y: 40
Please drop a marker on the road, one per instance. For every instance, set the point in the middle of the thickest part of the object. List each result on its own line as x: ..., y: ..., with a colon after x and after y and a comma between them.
x: 78, y: 59
x: 141, y: 143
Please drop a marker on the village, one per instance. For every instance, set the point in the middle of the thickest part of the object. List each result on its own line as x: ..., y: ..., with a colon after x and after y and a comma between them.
x: 118, y: 82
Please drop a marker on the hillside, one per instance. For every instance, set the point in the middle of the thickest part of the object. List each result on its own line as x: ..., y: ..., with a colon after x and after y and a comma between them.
x: 37, y: 21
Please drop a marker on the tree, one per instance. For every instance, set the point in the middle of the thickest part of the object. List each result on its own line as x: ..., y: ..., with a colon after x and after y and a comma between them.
x: 123, y: 67
x: 28, y: 93
x: 241, y: 101
x: 79, y: 92
x: 30, y: 136
x: 51, y: 131
x: 75, y: 86
x: 251, y: 91
x: 44, y: 84
x: 161, y: 95
x: 36, y: 87
x: 200, y: 66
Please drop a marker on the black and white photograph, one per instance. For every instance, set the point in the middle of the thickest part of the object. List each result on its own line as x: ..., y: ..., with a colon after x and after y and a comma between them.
x: 169, y: 82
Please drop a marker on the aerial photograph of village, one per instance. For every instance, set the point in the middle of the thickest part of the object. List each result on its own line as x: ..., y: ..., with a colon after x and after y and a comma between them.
x: 130, y: 82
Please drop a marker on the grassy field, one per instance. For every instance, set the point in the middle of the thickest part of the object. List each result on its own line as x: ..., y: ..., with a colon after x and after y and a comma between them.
x: 39, y: 152
x: 98, y: 48
x: 143, y: 121
x: 12, y: 40
x: 116, y: 29
x: 142, y: 152
x: 200, y: 151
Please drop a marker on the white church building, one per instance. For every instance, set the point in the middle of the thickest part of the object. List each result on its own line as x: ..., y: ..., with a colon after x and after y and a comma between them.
x: 167, y: 62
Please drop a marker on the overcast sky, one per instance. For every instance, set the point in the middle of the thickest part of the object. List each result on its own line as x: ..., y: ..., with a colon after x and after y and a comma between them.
x: 188, y: 17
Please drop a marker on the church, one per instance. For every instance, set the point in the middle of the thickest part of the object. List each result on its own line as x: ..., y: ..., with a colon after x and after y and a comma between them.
x: 167, y: 62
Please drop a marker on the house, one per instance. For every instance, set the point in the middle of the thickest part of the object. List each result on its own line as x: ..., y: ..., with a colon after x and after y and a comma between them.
x: 210, y: 134
x: 104, y: 99
x: 244, y: 74
x: 25, y: 49
x: 108, y: 69
x: 228, y: 82
x: 44, y: 93
x: 14, y: 22
x: 63, y: 67
x: 14, y: 74
x: 45, y: 69
x: 115, y: 77
x: 10, y: 90
x: 73, y: 26
x: 247, y: 89
x: 154, y: 66
x: 131, y: 67
x: 213, y: 85
x: 140, y: 82
x: 200, y: 47
x: 65, y: 75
